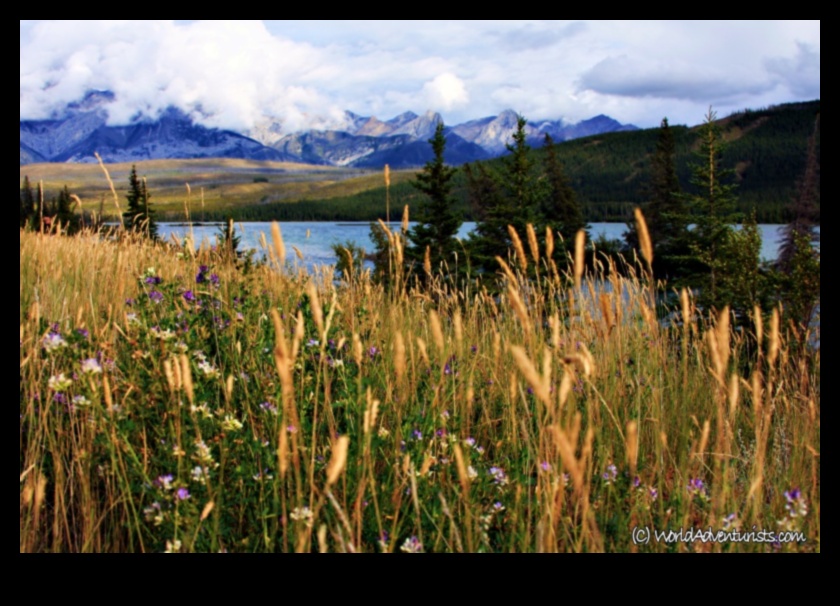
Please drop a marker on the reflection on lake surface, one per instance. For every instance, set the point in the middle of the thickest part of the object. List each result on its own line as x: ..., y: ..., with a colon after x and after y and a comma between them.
x: 315, y: 240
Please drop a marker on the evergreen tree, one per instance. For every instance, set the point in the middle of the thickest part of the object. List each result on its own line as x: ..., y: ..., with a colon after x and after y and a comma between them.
x: 559, y: 208
x: 665, y: 212
x: 508, y: 198
x: 27, y: 204
x: 437, y: 222
x: 799, y: 261
x: 713, y: 212
x: 805, y: 207
x: 63, y: 214
x: 139, y: 217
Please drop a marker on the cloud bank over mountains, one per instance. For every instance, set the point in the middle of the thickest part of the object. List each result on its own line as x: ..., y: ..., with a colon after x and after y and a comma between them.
x: 236, y: 74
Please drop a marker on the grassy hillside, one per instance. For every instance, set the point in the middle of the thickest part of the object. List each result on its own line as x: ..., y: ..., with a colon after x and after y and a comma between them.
x: 767, y: 149
x: 229, y: 186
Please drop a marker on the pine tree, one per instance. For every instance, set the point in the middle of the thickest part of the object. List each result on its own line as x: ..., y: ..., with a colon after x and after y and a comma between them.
x: 27, y: 204
x: 507, y: 198
x: 665, y: 212
x: 559, y: 209
x: 805, y: 207
x: 62, y: 212
x: 799, y: 261
x: 437, y: 222
x: 139, y: 217
x: 713, y: 212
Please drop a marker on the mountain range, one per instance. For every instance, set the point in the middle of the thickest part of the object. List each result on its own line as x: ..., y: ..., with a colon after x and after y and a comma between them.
x: 82, y: 130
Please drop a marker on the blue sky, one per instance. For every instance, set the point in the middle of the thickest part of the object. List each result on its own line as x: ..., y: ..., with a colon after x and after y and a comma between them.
x: 243, y: 74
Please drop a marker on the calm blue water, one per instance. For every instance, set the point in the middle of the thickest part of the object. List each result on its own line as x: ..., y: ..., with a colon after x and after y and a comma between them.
x: 314, y: 240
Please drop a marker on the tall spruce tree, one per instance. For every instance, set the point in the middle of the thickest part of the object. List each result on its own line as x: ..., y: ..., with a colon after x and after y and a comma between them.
x: 799, y: 261
x: 506, y: 198
x: 139, y: 217
x: 27, y: 204
x: 559, y: 208
x: 437, y: 222
x: 665, y: 211
x: 713, y: 211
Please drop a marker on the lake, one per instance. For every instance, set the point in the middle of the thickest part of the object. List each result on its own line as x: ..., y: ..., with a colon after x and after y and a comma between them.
x: 314, y: 240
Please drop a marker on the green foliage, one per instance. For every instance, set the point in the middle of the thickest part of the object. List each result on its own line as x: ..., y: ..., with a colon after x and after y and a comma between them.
x: 381, y: 256
x: 437, y: 222
x: 350, y: 259
x: 503, y: 195
x: 664, y: 212
x: 27, y: 204
x: 559, y: 208
x: 800, y: 291
x: 712, y: 207
x: 139, y: 217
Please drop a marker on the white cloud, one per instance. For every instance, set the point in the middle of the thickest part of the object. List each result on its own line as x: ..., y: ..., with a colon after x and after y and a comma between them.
x: 233, y: 74
x: 446, y: 92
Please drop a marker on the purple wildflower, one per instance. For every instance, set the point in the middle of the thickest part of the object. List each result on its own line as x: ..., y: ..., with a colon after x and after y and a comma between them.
x: 611, y: 475
x: 153, y: 281
x: 189, y: 296
x: 545, y: 466
x: 214, y: 280
x: 183, y: 494
x: 85, y: 334
x: 696, y: 487
x: 155, y: 297
x: 373, y: 352
x: 417, y: 435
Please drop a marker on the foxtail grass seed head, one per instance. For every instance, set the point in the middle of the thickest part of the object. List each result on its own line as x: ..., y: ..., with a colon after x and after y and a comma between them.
x: 405, y: 219
x: 317, y: 311
x: 506, y: 269
x: 338, y: 460
x: 532, y: 376
x: 463, y: 472
x: 279, y: 245
x: 533, y: 244
x: 520, y: 250
x: 775, y: 341
x: 399, y: 357
x: 632, y: 446
x: 283, y: 452
x: 427, y: 261
x: 549, y: 243
x: 644, y: 238
x: 437, y: 331
x: 580, y: 245
x: 186, y: 376
x: 387, y: 176
x: 208, y: 509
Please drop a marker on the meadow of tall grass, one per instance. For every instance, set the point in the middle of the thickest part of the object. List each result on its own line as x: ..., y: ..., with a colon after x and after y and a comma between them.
x: 170, y: 402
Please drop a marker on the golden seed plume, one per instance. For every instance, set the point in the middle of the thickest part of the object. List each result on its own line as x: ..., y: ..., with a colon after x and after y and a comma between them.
x: 405, y: 219
x: 533, y: 245
x: 399, y: 357
x: 208, y: 509
x: 535, y: 380
x: 644, y: 238
x: 580, y: 244
x: 427, y: 261
x: 463, y: 474
x: 338, y: 460
x: 632, y: 446
x: 520, y: 250
x: 775, y: 342
x: 506, y: 268
x: 520, y: 309
x: 283, y: 453
x: 186, y: 377
x: 549, y: 243
x: 279, y: 245
x: 437, y: 331
x: 317, y: 310
x: 387, y: 176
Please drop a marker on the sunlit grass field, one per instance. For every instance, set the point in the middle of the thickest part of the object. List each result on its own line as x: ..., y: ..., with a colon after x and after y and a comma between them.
x: 171, y: 402
x: 215, y: 185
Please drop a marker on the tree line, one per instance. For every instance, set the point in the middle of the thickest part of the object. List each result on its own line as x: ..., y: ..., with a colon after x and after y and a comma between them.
x: 693, y: 223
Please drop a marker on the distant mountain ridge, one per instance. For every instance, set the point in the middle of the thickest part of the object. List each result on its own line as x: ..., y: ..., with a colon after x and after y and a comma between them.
x: 364, y: 142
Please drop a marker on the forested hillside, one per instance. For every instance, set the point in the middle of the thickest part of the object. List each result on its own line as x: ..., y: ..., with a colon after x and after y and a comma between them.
x: 766, y: 148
